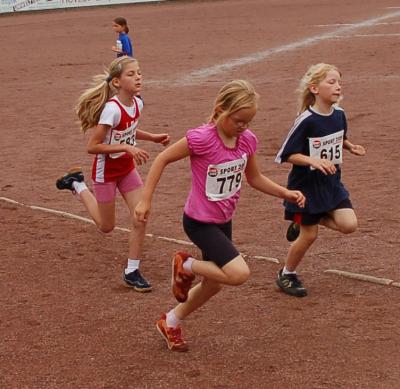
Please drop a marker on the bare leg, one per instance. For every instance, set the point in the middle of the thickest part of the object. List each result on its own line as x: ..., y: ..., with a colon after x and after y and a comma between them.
x: 343, y: 220
x: 103, y: 214
x: 138, y: 232
x: 308, y: 234
x: 198, y: 295
x: 235, y: 272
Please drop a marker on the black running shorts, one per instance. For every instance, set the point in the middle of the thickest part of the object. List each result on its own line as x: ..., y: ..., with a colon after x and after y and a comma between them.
x: 214, y: 240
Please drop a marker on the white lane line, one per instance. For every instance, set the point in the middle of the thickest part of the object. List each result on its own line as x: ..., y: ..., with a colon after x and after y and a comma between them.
x: 197, y: 76
x: 90, y: 221
x: 363, y: 277
x: 85, y: 219
x: 356, y: 276
x: 352, y: 24
x: 365, y: 36
x: 268, y: 259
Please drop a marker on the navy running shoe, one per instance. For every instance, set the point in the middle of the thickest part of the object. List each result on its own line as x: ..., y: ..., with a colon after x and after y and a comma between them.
x: 136, y: 281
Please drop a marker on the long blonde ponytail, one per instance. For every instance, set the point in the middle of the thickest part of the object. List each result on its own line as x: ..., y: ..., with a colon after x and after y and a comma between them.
x: 91, y: 102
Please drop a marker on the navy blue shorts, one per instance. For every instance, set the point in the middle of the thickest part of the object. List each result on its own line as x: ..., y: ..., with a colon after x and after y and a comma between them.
x: 310, y: 219
x: 214, y: 240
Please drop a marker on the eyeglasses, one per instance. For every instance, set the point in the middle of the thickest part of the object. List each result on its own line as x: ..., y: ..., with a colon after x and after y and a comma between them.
x: 239, y: 123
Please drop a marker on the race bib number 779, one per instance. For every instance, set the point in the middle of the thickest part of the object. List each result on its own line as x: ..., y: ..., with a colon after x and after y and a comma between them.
x: 225, y: 179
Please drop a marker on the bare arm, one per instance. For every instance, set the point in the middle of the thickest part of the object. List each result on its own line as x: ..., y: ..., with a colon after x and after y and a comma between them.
x: 323, y: 165
x: 164, y: 139
x: 263, y: 184
x: 354, y: 149
x: 96, y: 146
x: 177, y: 151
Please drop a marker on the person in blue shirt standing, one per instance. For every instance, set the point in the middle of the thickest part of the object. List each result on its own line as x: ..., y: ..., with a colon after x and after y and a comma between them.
x: 123, y: 45
x: 314, y: 146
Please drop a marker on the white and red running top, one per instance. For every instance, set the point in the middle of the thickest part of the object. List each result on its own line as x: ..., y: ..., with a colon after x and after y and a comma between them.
x: 123, y: 121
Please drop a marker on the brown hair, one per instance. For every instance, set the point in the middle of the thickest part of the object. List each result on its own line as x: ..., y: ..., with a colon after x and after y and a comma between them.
x: 122, y: 22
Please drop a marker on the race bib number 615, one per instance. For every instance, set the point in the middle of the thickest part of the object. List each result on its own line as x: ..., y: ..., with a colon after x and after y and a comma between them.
x: 225, y: 179
x: 327, y: 147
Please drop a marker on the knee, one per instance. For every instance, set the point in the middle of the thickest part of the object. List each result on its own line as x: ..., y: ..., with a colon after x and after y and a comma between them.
x: 309, y: 238
x: 349, y: 228
x: 240, y: 277
x: 106, y: 228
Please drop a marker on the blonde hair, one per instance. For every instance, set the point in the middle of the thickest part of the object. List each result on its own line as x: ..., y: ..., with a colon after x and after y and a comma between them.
x: 234, y: 95
x: 314, y: 75
x: 92, y: 100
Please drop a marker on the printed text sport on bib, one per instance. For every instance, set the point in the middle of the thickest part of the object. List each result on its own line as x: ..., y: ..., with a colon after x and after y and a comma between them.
x: 328, y: 147
x: 120, y: 137
x: 225, y: 179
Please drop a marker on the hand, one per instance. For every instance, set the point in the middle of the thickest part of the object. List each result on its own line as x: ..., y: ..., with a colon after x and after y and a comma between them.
x: 142, y: 211
x: 116, y: 49
x: 164, y: 139
x: 357, y: 150
x: 139, y: 156
x: 295, y: 196
x: 323, y: 165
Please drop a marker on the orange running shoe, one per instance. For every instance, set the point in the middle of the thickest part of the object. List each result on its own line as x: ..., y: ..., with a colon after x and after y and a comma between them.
x: 181, y: 279
x: 173, y: 336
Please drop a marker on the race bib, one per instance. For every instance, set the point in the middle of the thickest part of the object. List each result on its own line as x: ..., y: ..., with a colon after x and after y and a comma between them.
x: 225, y: 179
x: 120, y: 137
x: 328, y: 147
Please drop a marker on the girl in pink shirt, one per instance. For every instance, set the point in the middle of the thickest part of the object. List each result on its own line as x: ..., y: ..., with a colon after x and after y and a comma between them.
x: 221, y: 153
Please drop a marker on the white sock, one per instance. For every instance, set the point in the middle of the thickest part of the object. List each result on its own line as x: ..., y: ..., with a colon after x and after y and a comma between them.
x: 286, y: 271
x: 79, y: 186
x: 132, y: 265
x: 187, y: 265
x: 172, y: 320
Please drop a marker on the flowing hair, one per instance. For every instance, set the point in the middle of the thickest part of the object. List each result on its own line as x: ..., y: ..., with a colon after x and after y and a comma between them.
x: 232, y: 97
x: 314, y: 75
x: 92, y: 100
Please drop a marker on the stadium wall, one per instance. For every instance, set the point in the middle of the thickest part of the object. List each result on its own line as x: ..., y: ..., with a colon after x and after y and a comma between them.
x: 10, y: 6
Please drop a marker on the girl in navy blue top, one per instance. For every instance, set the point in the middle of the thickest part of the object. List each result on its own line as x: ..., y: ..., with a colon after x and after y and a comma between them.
x: 120, y: 26
x: 314, y: 146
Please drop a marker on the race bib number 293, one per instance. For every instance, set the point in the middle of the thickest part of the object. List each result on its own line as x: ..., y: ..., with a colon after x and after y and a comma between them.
x: 120, y: 137
x: 225, y: 179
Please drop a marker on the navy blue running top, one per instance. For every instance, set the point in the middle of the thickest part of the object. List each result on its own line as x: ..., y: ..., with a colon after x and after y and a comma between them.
x: 323, y: 192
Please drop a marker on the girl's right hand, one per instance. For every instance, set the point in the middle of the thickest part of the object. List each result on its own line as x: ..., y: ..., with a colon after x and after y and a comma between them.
x: 139, y: 156
x: 142, y: 211
x: 323, y: 165
x: 116, y: 49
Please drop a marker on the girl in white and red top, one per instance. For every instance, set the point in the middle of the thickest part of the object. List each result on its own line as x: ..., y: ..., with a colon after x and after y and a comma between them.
x: 221, y: 152
x: 112, y: 110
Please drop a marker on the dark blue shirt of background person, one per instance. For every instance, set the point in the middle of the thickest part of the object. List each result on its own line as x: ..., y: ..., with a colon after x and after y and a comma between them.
x: 127, y: 48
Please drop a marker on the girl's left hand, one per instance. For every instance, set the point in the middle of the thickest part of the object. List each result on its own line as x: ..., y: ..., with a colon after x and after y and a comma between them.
x: 357, y: 150
x: 295, y: 196
x: 164, y: 139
